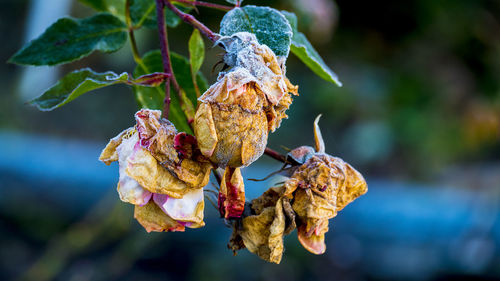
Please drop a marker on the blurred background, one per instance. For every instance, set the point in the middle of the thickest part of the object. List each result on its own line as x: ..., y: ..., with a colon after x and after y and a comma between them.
x: 418, y: 116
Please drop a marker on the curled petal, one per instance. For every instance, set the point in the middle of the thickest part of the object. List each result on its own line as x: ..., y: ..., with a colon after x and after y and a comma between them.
x: 152, y: 218
x: 308, y: 206
x: 353, y: 187
x: 262, y: 234
x: 232, y: 194
x: 109, y: 153
x: 188, y: 209
x: 131, y: 192
x: 204, y: 129
x: 193, y: 173
x: 148, y: 123
x: 129, y: 189
x: 312, y: 242
x: 143, y: 167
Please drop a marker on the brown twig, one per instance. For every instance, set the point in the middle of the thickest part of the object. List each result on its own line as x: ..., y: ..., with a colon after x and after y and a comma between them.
x: 167, y: 65
x: 206, y: 4
x: 190, y: 19
x: 274, y: 154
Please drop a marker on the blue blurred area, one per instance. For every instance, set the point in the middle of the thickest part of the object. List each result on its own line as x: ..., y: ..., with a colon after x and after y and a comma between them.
x: 397, y: 231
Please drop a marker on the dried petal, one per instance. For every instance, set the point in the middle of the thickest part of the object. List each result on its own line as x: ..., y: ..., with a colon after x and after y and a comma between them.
x: 109, y: 153
x: 238, y: 111
x: 188, y: 209
x: 313, y: 243
x: 232, y: 194
x: 262, y: 234
x: 152, y: 218
x: 129, y: 190
x: 230, y: 124
x: 204, y: 129
x: 143, y: 167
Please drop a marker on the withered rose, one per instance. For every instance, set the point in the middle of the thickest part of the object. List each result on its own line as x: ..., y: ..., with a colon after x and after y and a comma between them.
x: 160, y: 173
x: 318, y: 187
x: 237, y: 112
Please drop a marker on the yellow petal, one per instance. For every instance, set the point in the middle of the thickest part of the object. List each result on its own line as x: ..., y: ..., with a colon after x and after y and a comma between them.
x: 353, y: 187
x: 193, y: 173
x: 152, y: 218
x: 143, y: 167
x: 109, y: 153
x: 263, y: 234
x: 204, y: 129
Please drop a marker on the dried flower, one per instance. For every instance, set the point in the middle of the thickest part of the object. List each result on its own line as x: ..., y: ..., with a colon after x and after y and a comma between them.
x: 237, y: 112
x: 262, y: 232
x: 157, y: 163
x: 318, y: 187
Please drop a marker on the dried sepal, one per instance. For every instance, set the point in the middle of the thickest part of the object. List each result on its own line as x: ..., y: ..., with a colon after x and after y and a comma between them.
x: 318, y: 138
x: 231, y: 199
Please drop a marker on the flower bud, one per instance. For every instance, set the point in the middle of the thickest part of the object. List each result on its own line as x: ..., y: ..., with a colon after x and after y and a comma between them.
x: 157, y: 163
x: 237, y: 112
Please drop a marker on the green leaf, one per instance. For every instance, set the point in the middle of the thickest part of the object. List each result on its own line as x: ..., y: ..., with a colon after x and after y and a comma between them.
x: 115, y: 7
x: 84, y: 80
x: 307, y: 54
x: 143, y: 13
x: 152, y: 98
x: 196, y: 56
x: 71, y: 39
x: 196, y: 51
x: 269, y: 26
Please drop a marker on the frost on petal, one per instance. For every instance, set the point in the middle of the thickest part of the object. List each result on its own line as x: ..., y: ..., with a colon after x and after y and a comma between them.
x: 230, y: 124
x: 143, y: 167
x: 157, y: 136
x: 109, y: 153
x: 244, y: 51
x: 232, y: 194
x: 152, y: 218
x: 187, y: 209
x: 193, y: 173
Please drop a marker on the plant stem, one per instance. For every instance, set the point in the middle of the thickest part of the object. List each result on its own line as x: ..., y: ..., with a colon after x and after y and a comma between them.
x: 167, y: 66
x: 192, y: 21
x: 206, y: 4
x: 274, y: 154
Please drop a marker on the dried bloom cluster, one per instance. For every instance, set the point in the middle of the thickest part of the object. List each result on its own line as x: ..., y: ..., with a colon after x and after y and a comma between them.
x: 161, y: 173
x: 237, y: 112
x: 317, y: 189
